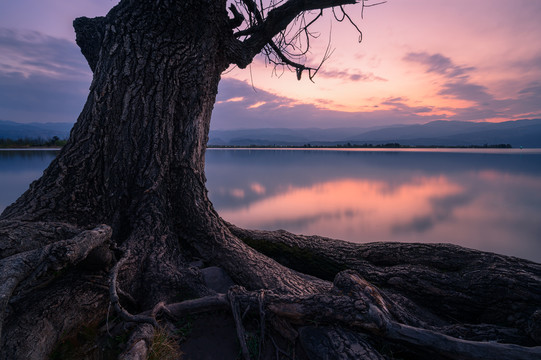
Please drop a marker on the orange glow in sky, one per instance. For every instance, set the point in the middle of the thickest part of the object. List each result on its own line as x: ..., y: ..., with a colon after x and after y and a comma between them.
x: 472, y: 65
x: 419, y: 61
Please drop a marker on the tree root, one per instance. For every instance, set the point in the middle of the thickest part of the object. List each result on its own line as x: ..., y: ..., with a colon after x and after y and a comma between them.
x: 139, y: 343
x: 235, y: 309
x: 352, y: 303
x: 417, y: 277
x: 22, y: 272
x: 21, y: 236
x: 376, y: 302
x: 355, y: 304
x: 115, y: 301
x: 261, y: 308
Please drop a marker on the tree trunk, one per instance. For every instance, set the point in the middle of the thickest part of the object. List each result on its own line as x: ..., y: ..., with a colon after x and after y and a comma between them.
x: 129, y: 185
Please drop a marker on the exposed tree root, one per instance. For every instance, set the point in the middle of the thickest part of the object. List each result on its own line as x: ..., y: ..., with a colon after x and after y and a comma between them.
x: 22, y: 272
x: 241, y: 335
x: 115, y: 301
x: 20, y: 236
x: 353, y: 303
x: 135, y: 161
x: 433, y: 285
x: 349, y: 314
x: 373, y: 301
x: 139, y: 343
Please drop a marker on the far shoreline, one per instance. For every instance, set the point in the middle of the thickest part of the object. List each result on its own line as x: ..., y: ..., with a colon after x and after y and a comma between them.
x: 34, y: 148
x: 338, y: 147
x: 362, y: 146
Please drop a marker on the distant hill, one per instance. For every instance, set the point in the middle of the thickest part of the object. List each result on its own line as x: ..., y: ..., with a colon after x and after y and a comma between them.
x: 14, y: 130
x: 526, y: 133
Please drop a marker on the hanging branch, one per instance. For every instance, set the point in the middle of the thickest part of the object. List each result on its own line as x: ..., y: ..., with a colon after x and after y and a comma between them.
x: 281, y: 31
x: 364, y: 4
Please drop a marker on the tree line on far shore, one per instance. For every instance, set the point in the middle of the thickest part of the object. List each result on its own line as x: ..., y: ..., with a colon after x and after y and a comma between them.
x: 362, y: 146
x: 55, y: 141
x: 27, y: 142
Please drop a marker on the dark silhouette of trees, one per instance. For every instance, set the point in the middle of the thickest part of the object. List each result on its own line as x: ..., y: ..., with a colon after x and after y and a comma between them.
x: 119, y: 217
x: 55, y: 141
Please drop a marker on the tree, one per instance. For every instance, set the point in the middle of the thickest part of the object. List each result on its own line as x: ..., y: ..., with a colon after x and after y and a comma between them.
x: 119, y: 215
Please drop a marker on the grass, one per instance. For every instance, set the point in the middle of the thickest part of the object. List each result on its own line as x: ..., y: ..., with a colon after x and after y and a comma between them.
x: 89, y: 343
x: 164, y: 346
x: 184, y: 327
x: 252, y: 342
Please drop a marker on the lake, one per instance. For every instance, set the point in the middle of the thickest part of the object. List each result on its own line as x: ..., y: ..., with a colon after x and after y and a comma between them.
x: 486, y: 199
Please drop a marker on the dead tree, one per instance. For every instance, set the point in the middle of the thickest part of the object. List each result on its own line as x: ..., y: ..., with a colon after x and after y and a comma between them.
x: 119, y: 215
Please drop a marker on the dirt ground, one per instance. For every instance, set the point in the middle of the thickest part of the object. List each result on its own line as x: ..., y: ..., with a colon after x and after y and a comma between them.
x: 213, y: 336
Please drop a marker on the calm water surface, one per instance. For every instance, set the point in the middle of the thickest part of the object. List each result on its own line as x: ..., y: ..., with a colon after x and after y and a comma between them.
x: 485, y: 199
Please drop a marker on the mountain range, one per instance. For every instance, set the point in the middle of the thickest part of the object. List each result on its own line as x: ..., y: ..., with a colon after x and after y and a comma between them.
x: 525, y: 133
x: 13, y: 130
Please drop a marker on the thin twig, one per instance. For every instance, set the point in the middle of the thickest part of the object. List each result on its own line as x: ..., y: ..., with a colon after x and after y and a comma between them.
x: 238, y: 323
x: 279, y: 350
x: 261, y: 300
x: 107, y: 320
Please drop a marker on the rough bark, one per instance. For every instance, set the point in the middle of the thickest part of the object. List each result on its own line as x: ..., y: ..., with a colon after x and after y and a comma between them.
x: 478, y: 287
x: 118, y: 217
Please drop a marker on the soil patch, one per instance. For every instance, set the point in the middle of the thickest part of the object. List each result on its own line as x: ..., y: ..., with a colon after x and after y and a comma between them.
x: 213, y: 336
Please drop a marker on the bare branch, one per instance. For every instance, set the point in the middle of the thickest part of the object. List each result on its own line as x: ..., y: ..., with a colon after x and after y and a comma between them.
x: 238, y: 18
x: 281, y: 31
x: 261, y: 30
x: 365, y: 5
x: 352, y: 23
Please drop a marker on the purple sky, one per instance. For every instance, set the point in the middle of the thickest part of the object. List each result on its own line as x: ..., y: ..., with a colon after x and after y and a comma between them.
x: 420, y: 60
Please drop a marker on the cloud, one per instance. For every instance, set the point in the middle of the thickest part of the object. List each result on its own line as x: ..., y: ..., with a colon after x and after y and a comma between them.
x: 533, y: 89
x: 527, y: 64
x: 467, y: 91
x: 46, y: 79
x: 528, y: 102
x: 350, y: 76
x: 279, y: 111
x: 456, y: 83
x: 400, y: 104
x: 39, y: 98
x: 439, y: 64
x: 41, y: 78
x: 33, y: 53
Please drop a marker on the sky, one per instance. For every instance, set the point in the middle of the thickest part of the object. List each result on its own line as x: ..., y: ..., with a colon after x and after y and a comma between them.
x: 419, y: 61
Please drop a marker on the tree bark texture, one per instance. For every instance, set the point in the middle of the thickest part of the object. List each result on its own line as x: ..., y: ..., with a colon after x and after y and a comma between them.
x: 117, y: 219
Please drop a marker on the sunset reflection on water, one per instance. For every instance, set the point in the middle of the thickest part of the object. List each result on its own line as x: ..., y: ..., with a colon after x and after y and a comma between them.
x: 487, y: 200
x: 484, y: 201
x: 346, y: 208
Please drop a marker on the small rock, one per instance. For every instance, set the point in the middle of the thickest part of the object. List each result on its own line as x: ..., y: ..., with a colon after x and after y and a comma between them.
x: 100, y: 258
x: 197, y: 264
x: 217, y: 279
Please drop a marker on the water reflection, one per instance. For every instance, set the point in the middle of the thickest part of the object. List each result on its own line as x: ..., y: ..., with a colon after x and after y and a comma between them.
x: 486, y: 200
x: 18, y: 168
x: 349, y: 205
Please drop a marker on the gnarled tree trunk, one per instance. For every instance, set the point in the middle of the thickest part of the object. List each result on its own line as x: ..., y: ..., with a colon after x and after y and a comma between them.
x: 135, y: 163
